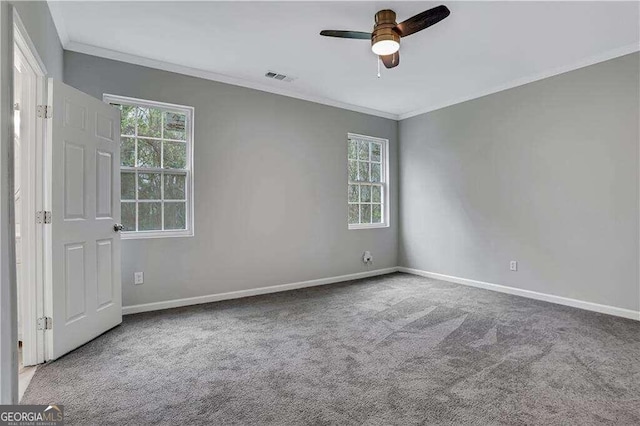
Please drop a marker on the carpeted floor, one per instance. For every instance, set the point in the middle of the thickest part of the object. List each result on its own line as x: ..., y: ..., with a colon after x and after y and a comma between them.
x: 396, y: 349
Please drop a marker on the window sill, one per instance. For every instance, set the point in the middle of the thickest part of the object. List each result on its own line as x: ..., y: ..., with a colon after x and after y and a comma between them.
x: 143, y: 235
x: 368, y: 226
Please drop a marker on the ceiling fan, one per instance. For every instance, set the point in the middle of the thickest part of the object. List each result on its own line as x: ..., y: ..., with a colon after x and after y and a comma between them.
x: 385, y: 38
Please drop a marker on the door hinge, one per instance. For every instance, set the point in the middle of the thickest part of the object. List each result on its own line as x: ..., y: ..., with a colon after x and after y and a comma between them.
x: 43, y: 217
x: 45, y: 323
x: 45, y: 111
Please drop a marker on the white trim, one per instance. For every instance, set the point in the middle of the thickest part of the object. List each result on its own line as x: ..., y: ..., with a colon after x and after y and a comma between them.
x: 145, y: 235
x: 580, y: 304
x: 175, y: 303
x: 371, y: 138
x: 611, y: 54
x: 32, y: 285
x: 208, y: 75
x: 385, y: 184
x: 189, y: 111
x: 47, y: 231
x: 108, y: 98
x: 356, y: 226
x: 27, y: 47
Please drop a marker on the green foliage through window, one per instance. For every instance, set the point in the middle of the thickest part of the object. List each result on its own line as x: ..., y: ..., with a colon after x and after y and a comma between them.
x: 154, y: 159
x: 366, y: 184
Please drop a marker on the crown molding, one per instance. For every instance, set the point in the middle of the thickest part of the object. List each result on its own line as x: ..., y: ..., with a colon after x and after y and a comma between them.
x: 73, y: 46
x: 208, y: 75
x: 592, y: 60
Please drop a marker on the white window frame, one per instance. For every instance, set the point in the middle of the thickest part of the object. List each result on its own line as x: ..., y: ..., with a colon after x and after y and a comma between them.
x: 189, y: 216
x: 385, y: 182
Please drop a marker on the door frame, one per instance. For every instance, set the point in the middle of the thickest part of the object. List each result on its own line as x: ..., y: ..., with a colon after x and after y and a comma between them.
x: 8, y: 299
x: 32, y: 287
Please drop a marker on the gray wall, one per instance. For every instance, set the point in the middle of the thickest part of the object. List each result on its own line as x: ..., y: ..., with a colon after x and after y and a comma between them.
x: 270, y: 187
x: 39, y: 25
x: 8, y: 296
x: 545, y: 174
x: 37, y: 20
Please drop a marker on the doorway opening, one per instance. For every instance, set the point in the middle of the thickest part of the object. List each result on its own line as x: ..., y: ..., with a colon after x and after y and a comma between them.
x: 29, y: 93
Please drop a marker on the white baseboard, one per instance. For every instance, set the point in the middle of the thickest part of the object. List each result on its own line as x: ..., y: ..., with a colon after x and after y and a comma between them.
x: 589, y: 306
x: 175, y: 303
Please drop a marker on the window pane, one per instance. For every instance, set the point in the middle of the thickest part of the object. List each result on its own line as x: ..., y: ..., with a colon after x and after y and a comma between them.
x: 353, y: 171
x: 127, y: 186
x: 149, y: 216
x: 376, y: 150
x: 156, y: 138
x: 365, y: 193
x: 128, y: 152
x: 365, y: 213
x: 175, y: 126
x: 363, y: 151
x: 128, y: 212
x: 376, y: 193
x: 128, y: 120
x: 354, y: 213
x: 175, y: 155
x: 375, y: 172
x: 175, y: 216
x: 366, y: 187
x: 376, y: 212
x: 149, y: 186
x: 148, y: 153
x: 174, y: 187
x: 353, y: 150
x: 149, y: 122
x: 353, y: 193
x: 363, y: 171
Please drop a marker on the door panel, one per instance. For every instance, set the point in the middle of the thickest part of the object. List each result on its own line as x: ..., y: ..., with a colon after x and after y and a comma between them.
x: 104, y: 177
x: 104, y: 250
x: 105, y: 126
x: 73, y: 181
x: 86, y: 295
x: 74, y: 281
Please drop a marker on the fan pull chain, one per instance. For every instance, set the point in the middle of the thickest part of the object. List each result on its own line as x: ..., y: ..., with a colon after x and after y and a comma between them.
x: 378, y: 60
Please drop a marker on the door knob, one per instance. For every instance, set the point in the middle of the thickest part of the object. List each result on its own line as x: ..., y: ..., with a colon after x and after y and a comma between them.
x: 118, y: 227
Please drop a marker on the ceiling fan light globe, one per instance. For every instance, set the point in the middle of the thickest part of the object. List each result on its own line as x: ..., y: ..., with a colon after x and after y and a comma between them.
x: 385, y: 47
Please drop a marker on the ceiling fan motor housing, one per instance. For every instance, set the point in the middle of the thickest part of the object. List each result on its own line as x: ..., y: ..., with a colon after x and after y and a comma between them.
x: 383, y: 30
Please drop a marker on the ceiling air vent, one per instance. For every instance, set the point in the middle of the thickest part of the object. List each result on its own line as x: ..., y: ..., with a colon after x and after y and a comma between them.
x: 278, y: 76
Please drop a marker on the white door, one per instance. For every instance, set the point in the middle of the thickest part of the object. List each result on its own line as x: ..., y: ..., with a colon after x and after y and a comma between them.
x: 85, y: 298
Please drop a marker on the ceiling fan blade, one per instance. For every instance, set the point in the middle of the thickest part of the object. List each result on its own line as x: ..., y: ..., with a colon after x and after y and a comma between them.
x: 422, y: 20
x: 391, y: 61
x: 346, y: 34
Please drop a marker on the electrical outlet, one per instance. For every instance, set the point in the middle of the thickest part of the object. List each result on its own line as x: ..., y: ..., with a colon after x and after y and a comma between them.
x: 513, y: 265
x: 138, y: 277
x: 367, y: 258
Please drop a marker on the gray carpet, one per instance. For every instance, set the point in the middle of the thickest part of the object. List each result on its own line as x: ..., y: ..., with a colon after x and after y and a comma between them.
x: 397, y: 349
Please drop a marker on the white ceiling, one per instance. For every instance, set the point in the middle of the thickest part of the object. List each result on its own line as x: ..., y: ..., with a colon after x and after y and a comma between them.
x: 481, y: 48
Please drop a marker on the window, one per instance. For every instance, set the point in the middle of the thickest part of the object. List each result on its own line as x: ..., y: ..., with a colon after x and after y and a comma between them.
x: 156, y: 172
x: 367, y: 188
